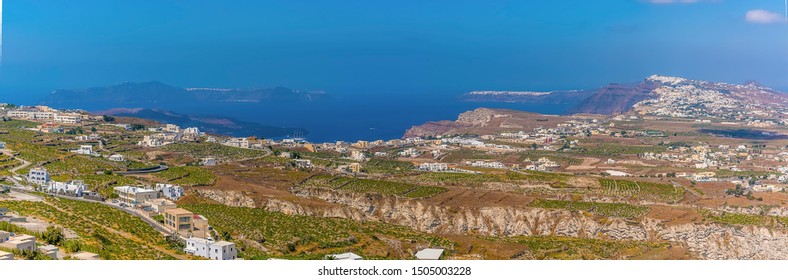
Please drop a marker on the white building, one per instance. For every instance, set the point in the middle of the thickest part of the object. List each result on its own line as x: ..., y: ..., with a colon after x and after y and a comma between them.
x: 191, y: 130
x: 49, y: 250
x: 135, y: 195
x: 170, y: 191
x: 68, y: 118
x: 434, y: 167
x: 85, y: 150
x: 221, y: 250
x: 357, y: 155
x: 209, y: 161
x: 303, y: 163
x: 117, y: 157
x: 75, y: 188
x: 21, y: 242
x: 38, y: 176
x: 238, y: 142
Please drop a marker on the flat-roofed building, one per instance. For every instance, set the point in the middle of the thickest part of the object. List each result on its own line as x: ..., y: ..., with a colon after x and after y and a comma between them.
x: 6, y: 256
x: 221, y: 250
x: 38, y: 176
x: 20, y: 242
x: 160, y: 205
x: 4, y: 236
x: 179, y: 220
x: 135, y: 195
x: 49, y: 250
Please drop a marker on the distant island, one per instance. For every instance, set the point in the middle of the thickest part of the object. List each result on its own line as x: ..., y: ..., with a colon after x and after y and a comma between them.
x: 152, y: 94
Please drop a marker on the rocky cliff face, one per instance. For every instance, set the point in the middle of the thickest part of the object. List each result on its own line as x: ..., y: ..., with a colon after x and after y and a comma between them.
x: 709, y: 241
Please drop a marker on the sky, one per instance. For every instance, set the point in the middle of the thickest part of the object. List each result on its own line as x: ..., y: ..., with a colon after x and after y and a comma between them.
x: 388, y: 46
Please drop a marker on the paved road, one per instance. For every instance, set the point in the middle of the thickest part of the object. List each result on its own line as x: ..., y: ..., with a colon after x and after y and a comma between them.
x: 153, y: 223
x: 130, y: 172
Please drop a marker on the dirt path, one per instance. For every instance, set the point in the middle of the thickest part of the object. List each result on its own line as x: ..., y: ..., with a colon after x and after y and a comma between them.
x: 15, y: 169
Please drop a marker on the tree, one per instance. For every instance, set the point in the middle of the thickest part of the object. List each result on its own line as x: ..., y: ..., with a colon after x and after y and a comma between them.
x: 108, y: 118
x: 53, y: 235
x: 93, y: 129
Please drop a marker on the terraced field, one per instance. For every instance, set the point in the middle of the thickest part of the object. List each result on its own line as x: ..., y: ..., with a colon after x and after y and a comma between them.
x: 604, y: 209
x: 474, y: 180
x: 384, y: 166
x: 371, y: 186
x: 187, y: 176
x: 567, y: 248
x: 218, y: 151
x: 641, y: 190
x: 305, y: 237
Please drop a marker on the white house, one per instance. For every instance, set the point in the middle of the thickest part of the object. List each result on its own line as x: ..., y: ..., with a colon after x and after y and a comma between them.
x: 191, y: 130
x: 21, y: 242
x: 209, y: 161
x: 221, y: 250
x: 434, y: 167
x: 85, y: 150
x: 135, y: 195
x: 302, y: 163
x: 170, y: 191
x: 117, y: 157
x: 49, y: 250
x: 38, y: 176
x: 75, y: 188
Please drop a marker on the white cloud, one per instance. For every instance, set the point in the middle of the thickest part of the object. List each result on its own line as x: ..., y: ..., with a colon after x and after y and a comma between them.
x: 763, y: 17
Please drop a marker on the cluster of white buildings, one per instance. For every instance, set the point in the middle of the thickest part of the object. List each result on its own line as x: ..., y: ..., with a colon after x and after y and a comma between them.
x: 434, y: 167
x: 46, y: 114
x: 542, y: 164
x: 74, y: 188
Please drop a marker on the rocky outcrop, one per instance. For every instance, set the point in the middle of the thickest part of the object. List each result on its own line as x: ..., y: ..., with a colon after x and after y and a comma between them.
x: 709, y: 241
x: 229, y: 198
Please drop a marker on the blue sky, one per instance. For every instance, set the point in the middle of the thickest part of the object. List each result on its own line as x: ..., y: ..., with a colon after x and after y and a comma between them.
x: 404, y: 45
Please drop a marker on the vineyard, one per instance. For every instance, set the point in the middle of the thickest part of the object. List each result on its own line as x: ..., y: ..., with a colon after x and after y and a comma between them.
x: 603, y: 209
x: 305, y: 237
x: 742, y: 219
x: 86, y: 221
x: 568, y: 248
x: 475, y: 180
x: 80, y: 164
x: 218, y: 151
x: 641, y: 190
x: 187, y: 176
x: 610, y: 150
x: 371, y: 186
x: 382, y: 166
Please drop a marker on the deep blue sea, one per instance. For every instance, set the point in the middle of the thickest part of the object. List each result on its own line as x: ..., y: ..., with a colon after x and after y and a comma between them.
x: 343, y: 116
x: 354, y: 117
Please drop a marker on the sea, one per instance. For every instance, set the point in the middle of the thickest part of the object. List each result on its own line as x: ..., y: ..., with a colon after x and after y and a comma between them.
x: 357, y: 117
x: 342, y: 116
